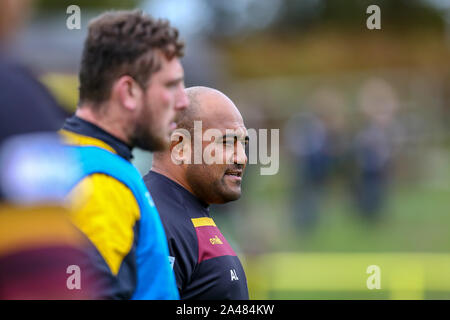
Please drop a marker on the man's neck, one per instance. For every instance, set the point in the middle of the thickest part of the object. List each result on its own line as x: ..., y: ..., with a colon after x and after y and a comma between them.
x: 102, y: 121
x: 172, y: 176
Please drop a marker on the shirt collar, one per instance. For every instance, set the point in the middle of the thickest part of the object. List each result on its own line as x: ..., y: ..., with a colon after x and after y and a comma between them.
x: 86, y: 128
x: 186, y: 195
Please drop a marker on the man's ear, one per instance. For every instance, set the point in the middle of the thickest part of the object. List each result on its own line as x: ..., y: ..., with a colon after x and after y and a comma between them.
x: 180, y: 146
x: 127, y: 92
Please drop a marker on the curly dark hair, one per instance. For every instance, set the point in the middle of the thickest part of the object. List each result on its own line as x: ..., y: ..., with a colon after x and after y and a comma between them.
x: 124, y: 43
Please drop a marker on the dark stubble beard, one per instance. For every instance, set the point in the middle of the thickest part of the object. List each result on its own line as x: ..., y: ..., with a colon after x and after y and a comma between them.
x: 214, y: 192
x: 145, y: 135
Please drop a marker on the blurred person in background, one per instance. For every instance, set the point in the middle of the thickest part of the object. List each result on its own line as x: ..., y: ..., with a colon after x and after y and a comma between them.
x: 131, y: 87
x: 315, y: 139
x: 205, y: 265
x: 38, y: 243
x: 21, y: 92
x: 373, y: 146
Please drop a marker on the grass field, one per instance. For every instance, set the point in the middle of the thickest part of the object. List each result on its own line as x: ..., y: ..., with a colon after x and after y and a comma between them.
x: 410, y: 244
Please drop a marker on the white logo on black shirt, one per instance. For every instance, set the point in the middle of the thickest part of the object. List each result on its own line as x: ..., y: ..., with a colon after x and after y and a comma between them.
x: 233, y: 275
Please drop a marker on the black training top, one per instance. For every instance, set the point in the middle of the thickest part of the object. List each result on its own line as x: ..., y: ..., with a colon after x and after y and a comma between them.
x: 205, y: 265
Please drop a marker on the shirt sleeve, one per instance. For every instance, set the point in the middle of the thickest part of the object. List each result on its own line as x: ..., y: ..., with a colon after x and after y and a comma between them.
x: 183, y: 247
x: 106, y: 211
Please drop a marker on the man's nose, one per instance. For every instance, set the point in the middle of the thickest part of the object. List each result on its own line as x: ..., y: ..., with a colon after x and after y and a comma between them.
x: 182, y: 100
x: 240, y: 157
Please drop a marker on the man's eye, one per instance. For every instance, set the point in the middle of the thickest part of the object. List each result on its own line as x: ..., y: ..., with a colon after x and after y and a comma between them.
x: 173, y: 84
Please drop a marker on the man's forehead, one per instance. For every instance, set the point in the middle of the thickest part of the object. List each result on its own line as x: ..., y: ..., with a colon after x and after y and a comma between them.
x: 215, y: 110
x: 221, y: 111
x: 224, y: 121
x: 169, y: 67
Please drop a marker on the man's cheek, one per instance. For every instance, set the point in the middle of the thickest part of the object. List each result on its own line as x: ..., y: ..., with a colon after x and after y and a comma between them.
x: 228, y: 155
x: 167, y: 99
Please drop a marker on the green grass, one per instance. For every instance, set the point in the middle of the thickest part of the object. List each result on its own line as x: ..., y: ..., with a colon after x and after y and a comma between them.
x: 348, y: 295
x: 416, y: 221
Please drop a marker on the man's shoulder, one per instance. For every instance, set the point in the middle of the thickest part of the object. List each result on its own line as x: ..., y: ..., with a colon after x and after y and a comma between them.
x: 112, y: 172
x: 166, y: 197
x: 76, y: 139
x: 107, y: 191
x: 175, y: 214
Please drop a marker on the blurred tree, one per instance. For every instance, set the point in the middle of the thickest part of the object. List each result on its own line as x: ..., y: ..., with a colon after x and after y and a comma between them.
x: 399, y: 14
x: 233, y: 17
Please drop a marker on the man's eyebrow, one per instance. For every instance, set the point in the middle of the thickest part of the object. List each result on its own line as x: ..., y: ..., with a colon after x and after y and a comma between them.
x: 175, y: 81
x: 226, y: 136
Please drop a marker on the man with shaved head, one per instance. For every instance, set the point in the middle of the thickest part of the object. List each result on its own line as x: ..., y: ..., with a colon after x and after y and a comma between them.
x: 203, y: 166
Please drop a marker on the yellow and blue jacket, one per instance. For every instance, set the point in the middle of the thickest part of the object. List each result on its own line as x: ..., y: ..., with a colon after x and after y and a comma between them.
x: 112, y: 207
x: 39, y: 245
